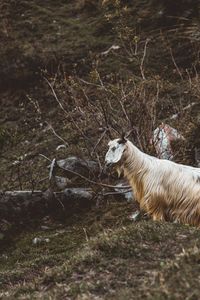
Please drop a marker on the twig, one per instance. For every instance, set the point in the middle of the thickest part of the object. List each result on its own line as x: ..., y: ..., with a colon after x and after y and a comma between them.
x: 64, y: 110
x: 103, y: 86
x: 55, y: 96
x: 116, y: 193
x: 43, y: 179
x: 189, y: 77
x: 122, y: 106
x: 113, y: 47
x: 89, y: 83
x: 175, y: 64
x: 143, y: 58
x: 44, y: 156
x: 99, y: 140
x: 156, y: 100
x: 58, y: 136
x: 86, y: 235
x: 52, y: 168
x: 175, y: 116
x: 59, y: 202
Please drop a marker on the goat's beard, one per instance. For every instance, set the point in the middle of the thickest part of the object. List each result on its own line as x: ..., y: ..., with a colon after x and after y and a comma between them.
x: 120, y: 171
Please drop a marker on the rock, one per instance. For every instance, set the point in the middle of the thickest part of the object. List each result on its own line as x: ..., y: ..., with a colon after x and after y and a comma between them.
x: 135, y: 216
x: 39, y: 240
x: 18, y: 206
x: 44, y: 227
x: 87, y: 168
x: 163, y: 135
x: 78, y: 193
x: 62, y: 182
x: 128, y: 195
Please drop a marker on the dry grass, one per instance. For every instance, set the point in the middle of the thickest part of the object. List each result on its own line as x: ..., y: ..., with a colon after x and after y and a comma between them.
x: 145, y: 260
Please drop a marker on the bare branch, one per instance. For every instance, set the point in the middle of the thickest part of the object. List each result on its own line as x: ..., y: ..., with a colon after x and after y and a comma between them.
x: 55, y: 96
x: 143, y: 58
x: 175, y: 64
x: 66, y: 112
x: 99, y: 140
x: 58, y: 136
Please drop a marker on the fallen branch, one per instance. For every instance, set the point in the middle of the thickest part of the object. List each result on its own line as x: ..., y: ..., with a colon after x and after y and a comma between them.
x: 17, y: 206
x: 116, y: 193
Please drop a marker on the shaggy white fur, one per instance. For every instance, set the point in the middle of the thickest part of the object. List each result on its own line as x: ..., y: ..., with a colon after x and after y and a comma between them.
x: 164, y: 189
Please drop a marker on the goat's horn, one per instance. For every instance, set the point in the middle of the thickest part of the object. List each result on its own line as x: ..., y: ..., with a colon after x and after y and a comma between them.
x: 123, y: 138
x: 129, y: 133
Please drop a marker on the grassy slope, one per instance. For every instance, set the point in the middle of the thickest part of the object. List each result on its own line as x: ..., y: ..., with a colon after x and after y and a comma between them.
x: 120, y: 260
x: 144, y: 260
x: 51, y: 37
x: 44, y: 35
x: 60, y: 38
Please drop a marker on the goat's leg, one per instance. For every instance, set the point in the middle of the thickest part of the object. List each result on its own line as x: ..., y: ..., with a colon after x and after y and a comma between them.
x: 135, y: 216
x: 157, y: 212
x: 158, y: 216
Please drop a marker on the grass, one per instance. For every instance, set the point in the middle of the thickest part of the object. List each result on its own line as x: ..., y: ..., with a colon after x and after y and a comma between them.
x: 112, y: 258
x: 52, y: 33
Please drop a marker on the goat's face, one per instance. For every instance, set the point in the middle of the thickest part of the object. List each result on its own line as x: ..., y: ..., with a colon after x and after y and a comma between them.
x: 115, y: 152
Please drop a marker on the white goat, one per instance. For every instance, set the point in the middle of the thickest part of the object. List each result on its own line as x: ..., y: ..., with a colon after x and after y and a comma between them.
x: 164, y: 189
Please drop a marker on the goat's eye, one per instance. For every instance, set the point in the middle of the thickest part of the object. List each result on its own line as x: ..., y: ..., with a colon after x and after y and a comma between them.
x: 113, y: 149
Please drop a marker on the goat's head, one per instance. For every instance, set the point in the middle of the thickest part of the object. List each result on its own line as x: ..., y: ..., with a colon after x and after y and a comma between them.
x: 115, y: 152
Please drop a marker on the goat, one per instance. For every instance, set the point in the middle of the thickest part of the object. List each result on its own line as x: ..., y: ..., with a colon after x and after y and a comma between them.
x: 167, y: 191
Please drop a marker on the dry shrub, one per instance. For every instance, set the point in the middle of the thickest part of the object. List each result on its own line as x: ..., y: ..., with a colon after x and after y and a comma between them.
x: 154, y: 80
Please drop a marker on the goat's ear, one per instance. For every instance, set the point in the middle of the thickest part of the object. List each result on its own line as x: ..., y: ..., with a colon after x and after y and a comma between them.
x: 123, y: 139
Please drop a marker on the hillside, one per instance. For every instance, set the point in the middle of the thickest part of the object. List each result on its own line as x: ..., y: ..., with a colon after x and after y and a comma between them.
x: 77, y: 73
